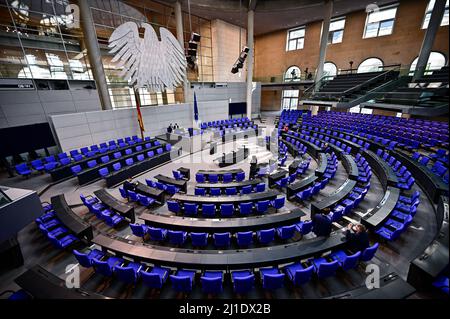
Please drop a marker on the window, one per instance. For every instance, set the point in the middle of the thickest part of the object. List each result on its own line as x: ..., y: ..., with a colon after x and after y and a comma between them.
x: 290, y: 99
x: 329, y: 69
x: 370, y: 65
x: 295, y: 39
x: 380, y: 22
x: 435, y: 62
x: 293, y: 73
x: 426, y: 19
x: 336, y: 31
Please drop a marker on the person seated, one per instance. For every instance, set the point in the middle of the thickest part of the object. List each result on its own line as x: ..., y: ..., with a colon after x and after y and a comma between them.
x: 170, y: 128
x: 321, y: 225
x: 128, y: 185
x: 357, y: 237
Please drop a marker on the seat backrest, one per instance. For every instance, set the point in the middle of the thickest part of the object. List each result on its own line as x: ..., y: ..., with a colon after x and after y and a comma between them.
x: 211, y: 284
x: 302, y: 276
x: 125, y: 274
x: 273, y: 281
x: 351, y: 261
x: 222, y: 239
x: 199, y: 239
x: 102, y: 267
x: 137, y: 230
x: 117, y: 166
x: 151, y: 280
x: 181, y: 283
x: 83, y: 259
x: 156, y: 233
x: 266, y: 235
x: 173, y: 206
x: 243, y: 284
x: 244, y: 238
x: 369, y: 252
x: 327, y: 269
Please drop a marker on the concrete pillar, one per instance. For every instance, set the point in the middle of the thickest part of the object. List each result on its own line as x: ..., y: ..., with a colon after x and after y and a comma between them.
x: 250, y: 23
x: 93, y: 50
x: 428, y: 40
x: 328, y: 12
x: 180, y: 37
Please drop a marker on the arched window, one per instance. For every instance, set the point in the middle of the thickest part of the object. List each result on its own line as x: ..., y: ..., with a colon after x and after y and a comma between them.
x: 370, y: 65
x: 435, y: 62
x: 293, y: 73
x: 329, y: 69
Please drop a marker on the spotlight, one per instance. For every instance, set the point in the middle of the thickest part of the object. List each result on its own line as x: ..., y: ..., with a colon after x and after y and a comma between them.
x: 235, y: 70
x: 239, y: 64
x: 192, y: 52
x: 195, y: 37
x: 245, y: 49
x: 192, y: 45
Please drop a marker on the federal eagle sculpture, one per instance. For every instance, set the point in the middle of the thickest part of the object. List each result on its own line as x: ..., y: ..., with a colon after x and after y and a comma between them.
x: 148, y: 62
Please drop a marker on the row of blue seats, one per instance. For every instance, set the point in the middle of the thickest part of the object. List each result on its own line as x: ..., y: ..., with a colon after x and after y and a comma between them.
x: 107, y: 146
x: 214, y: 191
x: 223, y: 239
x: 135, y: 197
x: 285, y: 181
x: 52, y: 228
x: 205, y: 125
x: 76, y: 169
x: 214, y: 178
x: 360, y: 142
x: 225, y: 210
x: 405, y: 178
x: 299, y: 147
x: 168, y: 188
x: 102, y: 212
x: 438, y: 168
x: 400, y: 218
x: 243, y: 281
x: 46, y: 165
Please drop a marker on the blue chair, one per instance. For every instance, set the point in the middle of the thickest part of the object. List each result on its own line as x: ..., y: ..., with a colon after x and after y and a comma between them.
x: 37, y: 165
x: 199, y: 191
x: 177, y: 237
x: 177, y: 175
x: 88, y: 200
x: 266, y: 236
x: 369, y: 253
x: 240, y: 176
x: 212, y: 282
x: 214, y: 191
x: 390, y: 234
x: 133, y: 196
x: 128, y: 273
x: 246, y: 189
x: 104, y: 159
x: 231, y: 191
x: 23, y: 169
x: 208, y: 210
x: 190, y: 209
x: 138, y: 148
x: 86, y: 259
x: 199, y: 239
x: 323, y: 268
x: 145, y: 200
x: 278, y: 202
x: 222, y: 240
x: 106, y: 267
x: 271, y: 278
x: 244, y: 239
x: 227, y: 177
x: 155, y: 278
x: 65, y: 161
x: 117, y: 166
x: 117, y: 155
x: 304, y: 227
x: 173, y: 206
x: 298, y: 274
x: 140, y: 157
x: 157, y: 234
x: 262, y: 206
x: 113, y: 220
x: 282, y: 182
x: 159, y: 150
x: 213, y: 178
x: 129, y: 161
x: 123, y: 193
x: 261, y: 187
x: 286, y: 232
x: 128, y: 151
x: 139, y: 230
x: 245, y: 208
x: 92, y: 163
x: 172, y: 189
x: 200, y: 178
x: 226, y: 210
x: 183, y: 280
x: 103, y: 172
x: 243, y: 281
x: 150, y: 154
x: 346, y: 262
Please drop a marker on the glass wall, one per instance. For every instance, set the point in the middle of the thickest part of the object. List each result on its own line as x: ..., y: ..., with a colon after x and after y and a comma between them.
x: 44, y: 40
x: 41, y: 40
